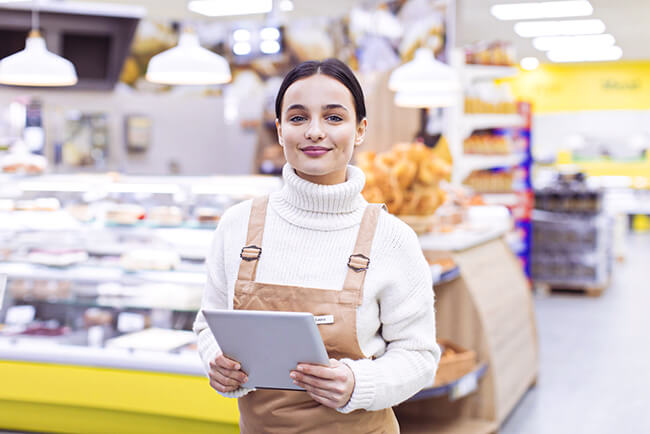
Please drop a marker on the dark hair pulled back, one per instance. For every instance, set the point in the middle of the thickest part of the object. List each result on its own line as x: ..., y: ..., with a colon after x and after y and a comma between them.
x: 331, y: 67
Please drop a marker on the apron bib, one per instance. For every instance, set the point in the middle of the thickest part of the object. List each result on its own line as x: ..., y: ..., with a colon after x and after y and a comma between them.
x: 280, y: 411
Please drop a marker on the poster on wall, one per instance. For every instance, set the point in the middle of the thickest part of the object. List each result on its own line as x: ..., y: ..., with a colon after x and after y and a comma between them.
x: 137, y: 133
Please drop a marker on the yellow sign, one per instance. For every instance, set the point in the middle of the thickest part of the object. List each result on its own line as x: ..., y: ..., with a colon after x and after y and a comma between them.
x: 588, y: 86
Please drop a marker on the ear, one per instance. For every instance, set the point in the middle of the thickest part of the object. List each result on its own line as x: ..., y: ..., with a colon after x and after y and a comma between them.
x: 361, y: 132
x: 278, y: 128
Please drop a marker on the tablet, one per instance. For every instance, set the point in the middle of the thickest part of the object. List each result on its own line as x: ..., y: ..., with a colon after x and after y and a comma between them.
x: 268, y: 344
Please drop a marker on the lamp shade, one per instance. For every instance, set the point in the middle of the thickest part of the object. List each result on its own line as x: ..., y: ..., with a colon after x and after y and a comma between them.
x: 188, y: 63
x: 35, y: 66
x: 424, y: 74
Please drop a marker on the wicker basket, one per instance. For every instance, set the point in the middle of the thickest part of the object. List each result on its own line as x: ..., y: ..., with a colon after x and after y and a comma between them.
x: 453, y: 367
x: 420, y: 224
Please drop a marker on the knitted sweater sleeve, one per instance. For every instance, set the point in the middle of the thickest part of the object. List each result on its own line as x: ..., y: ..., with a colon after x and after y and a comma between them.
x: 215, y: 296
x: 408, y: 328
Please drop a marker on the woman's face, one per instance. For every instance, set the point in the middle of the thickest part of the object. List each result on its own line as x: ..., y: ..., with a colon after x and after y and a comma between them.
x: 319, y: 130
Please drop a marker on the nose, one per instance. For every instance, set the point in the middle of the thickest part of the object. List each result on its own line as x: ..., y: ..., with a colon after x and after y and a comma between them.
x: 314, y: 132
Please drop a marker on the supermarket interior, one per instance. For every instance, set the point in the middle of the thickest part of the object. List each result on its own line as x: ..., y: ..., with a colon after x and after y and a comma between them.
x: 512, y: 136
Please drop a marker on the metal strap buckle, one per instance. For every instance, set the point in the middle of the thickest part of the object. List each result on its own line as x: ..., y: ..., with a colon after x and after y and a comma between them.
x: 358, y: 262
x: 250, y: 253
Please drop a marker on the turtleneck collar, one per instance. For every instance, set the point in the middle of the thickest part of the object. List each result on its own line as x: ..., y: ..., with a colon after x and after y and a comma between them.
x: 317, y: 206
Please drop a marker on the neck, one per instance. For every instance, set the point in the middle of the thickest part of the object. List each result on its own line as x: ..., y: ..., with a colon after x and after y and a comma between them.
x: 332, y: 178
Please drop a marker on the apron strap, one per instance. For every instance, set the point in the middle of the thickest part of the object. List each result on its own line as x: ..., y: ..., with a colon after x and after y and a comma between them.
x: 360, y: 260
x: 251, y: 253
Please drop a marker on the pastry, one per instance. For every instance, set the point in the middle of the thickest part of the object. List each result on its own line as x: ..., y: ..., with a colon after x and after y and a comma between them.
x: 165, y: 216
x: 125, y: 214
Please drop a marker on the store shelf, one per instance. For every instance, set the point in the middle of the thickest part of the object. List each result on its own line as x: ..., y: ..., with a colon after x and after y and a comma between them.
x: 456, y: 426
x: 462, y: 239
x: 236, y: 186
x: 472, y: 162
x: 188, y: 363
x: 487, y: 72
x: 456, y: 389
x: 473, y: 122
x: 85, y: 273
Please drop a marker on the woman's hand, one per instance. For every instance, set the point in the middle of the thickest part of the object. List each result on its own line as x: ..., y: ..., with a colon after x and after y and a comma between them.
x: 226, y: 374
x: 330, y: 385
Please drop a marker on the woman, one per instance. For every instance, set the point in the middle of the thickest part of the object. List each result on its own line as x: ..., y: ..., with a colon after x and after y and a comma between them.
x: 326, y: 251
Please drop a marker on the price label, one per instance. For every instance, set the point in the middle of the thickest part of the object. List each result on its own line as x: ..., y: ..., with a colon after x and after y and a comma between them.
x: 464, y: 387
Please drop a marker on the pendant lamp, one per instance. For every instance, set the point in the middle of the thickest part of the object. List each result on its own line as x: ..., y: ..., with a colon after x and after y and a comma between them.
x: 424, y: 82
x: 35, y: 65
x: 188, y: 63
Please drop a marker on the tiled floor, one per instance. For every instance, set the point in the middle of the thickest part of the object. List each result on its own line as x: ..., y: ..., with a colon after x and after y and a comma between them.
x: 594, y: 357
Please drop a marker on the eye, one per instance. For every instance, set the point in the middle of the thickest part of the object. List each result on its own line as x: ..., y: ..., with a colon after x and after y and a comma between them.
x: 334, y: 118
x: 297, y: 118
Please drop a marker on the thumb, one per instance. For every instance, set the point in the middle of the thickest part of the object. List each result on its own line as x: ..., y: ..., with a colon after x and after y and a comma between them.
x: 334, y: 363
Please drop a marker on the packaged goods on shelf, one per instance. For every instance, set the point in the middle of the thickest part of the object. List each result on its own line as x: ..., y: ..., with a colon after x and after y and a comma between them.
x: 570, y: 196
x: 498, y: 180
x: 500, y: 53
x: 572, y: 237
x: 571, y: 249
x: 490, y: 98
x: 488, y: 144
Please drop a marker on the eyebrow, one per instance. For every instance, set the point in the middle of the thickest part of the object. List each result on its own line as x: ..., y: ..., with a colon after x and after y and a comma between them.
x: 325, y: 107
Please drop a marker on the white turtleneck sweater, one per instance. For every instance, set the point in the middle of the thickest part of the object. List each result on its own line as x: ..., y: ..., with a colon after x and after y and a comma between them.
x: 309, y: 233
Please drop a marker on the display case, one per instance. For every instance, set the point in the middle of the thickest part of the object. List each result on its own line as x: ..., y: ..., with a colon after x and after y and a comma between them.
x: 96, y: 335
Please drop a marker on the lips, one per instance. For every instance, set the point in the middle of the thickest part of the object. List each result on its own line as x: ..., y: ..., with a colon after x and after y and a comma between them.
x: 315, y: 151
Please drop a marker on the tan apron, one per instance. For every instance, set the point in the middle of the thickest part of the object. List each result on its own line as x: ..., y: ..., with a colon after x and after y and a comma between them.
x: 279, y: 411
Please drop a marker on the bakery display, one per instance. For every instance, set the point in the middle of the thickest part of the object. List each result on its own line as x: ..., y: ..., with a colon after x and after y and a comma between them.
x: 406, y: 178
x: 207, y: 215
x: 455, y: 362
x: 41, y: 204
x: 165, y: 216
x: 150, y: 259
x: 125, y: 214
x: 57, y: 258
x: 23, y: 163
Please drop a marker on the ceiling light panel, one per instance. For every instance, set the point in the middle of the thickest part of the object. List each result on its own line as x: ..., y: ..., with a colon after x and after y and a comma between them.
x: 529, y: 63
x: 546, y: 43
x: 583, y: 55
x: 222, y: 8
x: 541, y: 10
x: 531, y: 29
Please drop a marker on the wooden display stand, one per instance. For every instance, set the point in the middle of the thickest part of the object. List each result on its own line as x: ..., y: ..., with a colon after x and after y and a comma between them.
x: 489, y: 309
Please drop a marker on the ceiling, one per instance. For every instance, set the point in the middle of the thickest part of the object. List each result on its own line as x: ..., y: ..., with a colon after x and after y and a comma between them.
x: 627, y: 20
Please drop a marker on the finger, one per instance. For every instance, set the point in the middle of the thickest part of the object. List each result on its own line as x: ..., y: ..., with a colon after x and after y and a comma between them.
x: 317, y: 371
x: 315, y: 390
x: 314, y: 381
x: 227, y: 363
x: 229, y: 373
x: 220, y: 387
x: 227, y: 381
x: 326, y: 402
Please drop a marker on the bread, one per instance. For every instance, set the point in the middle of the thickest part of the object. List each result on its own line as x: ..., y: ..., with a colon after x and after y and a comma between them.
x: 406, y: 178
